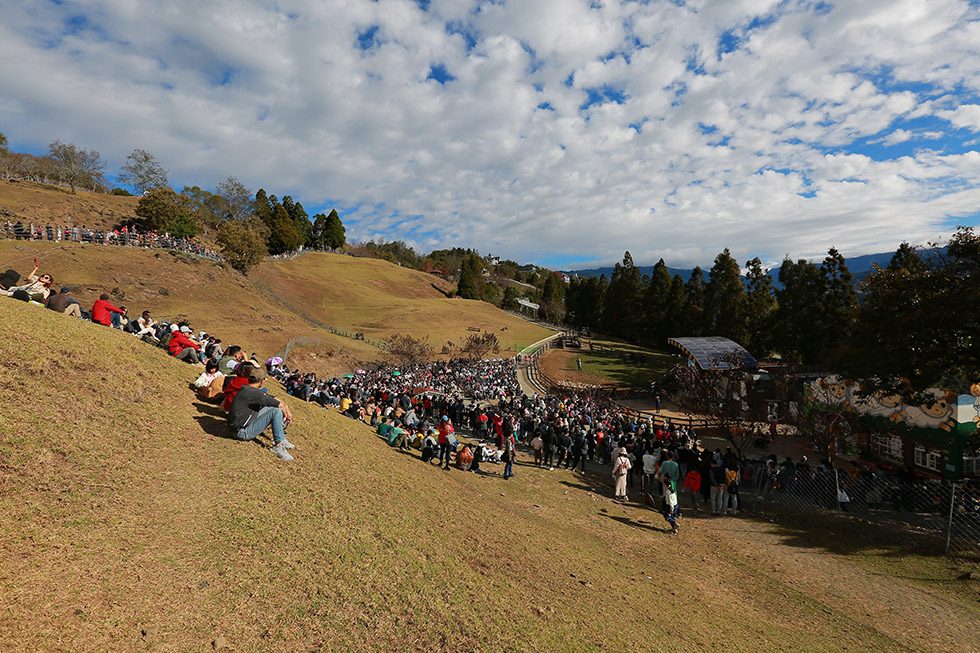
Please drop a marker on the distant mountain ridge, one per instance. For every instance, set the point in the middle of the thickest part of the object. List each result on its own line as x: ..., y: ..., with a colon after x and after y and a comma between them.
x: 860, y: 267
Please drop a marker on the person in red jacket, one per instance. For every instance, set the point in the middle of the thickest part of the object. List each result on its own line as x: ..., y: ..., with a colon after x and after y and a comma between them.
x: 446, y: 439
x: 692, y: 483
x: 183, y: 348
x: 102, y: 310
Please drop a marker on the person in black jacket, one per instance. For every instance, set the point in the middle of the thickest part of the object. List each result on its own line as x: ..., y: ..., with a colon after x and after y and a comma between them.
x: 253, y: 410
x: 548, y: 442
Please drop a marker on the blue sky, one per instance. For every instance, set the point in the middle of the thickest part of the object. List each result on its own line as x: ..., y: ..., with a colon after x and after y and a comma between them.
x: 562, y: 132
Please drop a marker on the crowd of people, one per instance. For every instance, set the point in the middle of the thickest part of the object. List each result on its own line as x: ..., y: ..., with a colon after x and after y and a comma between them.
x: 421, y: 407
x: 124, y: 237
x: 228, y: 378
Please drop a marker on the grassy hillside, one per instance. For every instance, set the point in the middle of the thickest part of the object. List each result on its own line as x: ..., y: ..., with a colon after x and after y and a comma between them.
x: 44, y: 204
x: 128, y: 520
x: 259, y: 311
x: 378, y: 298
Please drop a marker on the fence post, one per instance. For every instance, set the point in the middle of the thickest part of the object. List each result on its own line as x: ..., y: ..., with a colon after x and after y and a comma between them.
x: 837, y: 490
x: 949, y: 524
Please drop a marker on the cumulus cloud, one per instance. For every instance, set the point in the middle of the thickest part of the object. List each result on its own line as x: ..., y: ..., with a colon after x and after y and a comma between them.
x: 539, y: 130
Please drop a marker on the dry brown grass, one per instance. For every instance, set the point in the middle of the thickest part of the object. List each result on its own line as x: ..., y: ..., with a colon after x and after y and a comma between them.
x: 44, y: 204
x: 124, y: 508
x: 378, y: 299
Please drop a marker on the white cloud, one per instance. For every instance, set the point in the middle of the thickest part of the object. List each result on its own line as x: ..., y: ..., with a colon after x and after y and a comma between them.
x: 966, y: 116
x: 692, y: 142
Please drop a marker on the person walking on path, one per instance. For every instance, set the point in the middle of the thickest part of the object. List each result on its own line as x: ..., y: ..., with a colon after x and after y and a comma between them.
x: 620, y: 469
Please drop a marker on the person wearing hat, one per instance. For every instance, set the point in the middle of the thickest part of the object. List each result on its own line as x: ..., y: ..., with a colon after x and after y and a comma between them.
x: 253, y: 410
x: 445, y: 440
x: 183, y: 348
x: 63, y: 302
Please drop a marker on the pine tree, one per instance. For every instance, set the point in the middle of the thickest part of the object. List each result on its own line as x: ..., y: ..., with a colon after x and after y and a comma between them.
x: 622, y: 313
x: 695, y: 303
x: 334, y: 234
x: 264, y: 210
x: 655, y: 324
x: 760, y: 307
x: 797, y: 332
x: 470, y: 278
x: 725, y: 299
x: 282, y: 232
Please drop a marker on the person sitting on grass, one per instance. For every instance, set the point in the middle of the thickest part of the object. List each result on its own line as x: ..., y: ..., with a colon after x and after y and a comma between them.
x: 209, y: 384
x: 233, y: 357
x: 147, y: 326
x: 253, y: 410
x: 63, y: 302
x: 183, y: 348
x: 429, y: 445
x: 397, y: 436
x: 102, y: 310
x: 37, y: 288
x: 233, y: 383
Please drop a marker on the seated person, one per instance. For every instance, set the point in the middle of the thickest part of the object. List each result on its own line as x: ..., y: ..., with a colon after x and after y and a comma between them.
x: 63, y: 302
x: 37, y: 288
x: 209, y: 384
x: 253, y: 410
x: 397, y: 437
x: 102, y: 310
x: 479, y: 455
x: 230, y: 361
x: 464, y: 458
x: 183, y: 348
x: 120, y: 320
x: 232, y: 384
x: 429, y: 447
x: 384, y: 427
x: 146, y: 325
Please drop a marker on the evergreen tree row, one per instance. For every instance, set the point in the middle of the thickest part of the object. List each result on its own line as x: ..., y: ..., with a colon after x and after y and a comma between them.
x: 803, y: 320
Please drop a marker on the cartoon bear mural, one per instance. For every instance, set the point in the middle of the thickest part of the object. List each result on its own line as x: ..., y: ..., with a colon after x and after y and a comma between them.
x: 935, y: 413
x: 831, y: 390
x: 879, y: 404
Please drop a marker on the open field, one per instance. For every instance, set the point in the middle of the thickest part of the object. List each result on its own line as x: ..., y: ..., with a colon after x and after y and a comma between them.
x: 605, y: 367
x: 128, y: 520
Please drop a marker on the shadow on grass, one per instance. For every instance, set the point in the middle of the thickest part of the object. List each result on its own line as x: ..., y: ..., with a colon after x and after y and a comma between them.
x: 635, y: 524
x: 855, y: 535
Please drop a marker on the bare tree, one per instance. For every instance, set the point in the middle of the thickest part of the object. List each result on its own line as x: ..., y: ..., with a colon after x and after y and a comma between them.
x: 719, y: 395
x: 829, y: 428
x: 239, y: 204
x: 406, y: 350
x: 143, y: 172
x: 479, y: 345
x: 75, y: 165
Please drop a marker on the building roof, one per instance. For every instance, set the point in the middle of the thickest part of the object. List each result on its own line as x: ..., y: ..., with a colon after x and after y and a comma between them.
x: 715, y: 353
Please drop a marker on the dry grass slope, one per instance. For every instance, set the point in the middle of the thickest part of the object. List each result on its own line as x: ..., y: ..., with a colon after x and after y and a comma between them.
x: 379, y: 298
x: 44, y: 204
x: 125, y: 509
